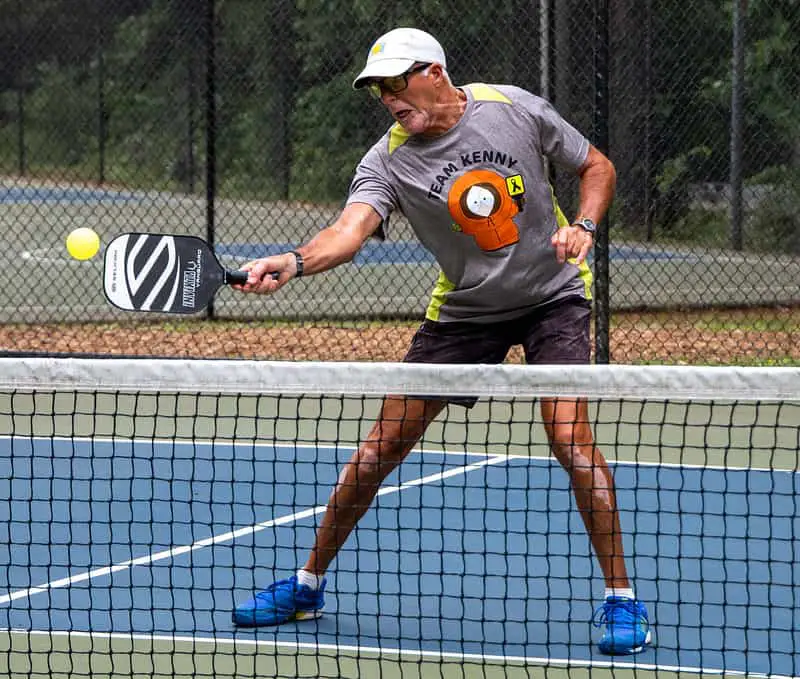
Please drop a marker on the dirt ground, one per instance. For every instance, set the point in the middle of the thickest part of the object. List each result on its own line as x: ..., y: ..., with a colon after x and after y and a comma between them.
x: 752, y: 336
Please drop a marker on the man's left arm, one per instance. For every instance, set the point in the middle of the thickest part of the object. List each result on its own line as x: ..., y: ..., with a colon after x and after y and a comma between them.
x: 598, y: 181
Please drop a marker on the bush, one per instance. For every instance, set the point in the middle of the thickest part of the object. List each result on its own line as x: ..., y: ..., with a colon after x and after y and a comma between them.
x: 773, y: 219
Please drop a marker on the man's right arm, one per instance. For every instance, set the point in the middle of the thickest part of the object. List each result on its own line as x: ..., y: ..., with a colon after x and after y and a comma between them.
x: 334, y: 245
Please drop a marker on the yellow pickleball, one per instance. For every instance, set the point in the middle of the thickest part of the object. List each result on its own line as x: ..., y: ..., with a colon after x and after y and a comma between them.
x: 83, y: 243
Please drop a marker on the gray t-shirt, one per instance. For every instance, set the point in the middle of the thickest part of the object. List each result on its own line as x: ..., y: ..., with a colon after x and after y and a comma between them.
x: 478, y: 197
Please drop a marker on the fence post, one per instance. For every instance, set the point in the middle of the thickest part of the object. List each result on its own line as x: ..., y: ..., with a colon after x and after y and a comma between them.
x: 101, y: 105
x: 211, y: 130
x: 737, y: 123
x: 600, y: 63
x: 22, y: 164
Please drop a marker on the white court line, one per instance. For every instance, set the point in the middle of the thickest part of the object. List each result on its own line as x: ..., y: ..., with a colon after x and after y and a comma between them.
x: 52, y: 256
x: 631, y: 664
x: 236, y: 443
x: 232, y: 535
x: 433, y: 451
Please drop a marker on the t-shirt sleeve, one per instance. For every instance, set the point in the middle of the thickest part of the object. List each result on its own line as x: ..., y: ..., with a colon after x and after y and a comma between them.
x: 560, y: 141
x: 371, y: 184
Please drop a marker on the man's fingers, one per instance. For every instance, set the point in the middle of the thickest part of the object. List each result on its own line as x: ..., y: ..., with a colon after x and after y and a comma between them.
x: 584, y: 251
x: 264, y: 275
x: 561, y: 242
x: 571, y: 241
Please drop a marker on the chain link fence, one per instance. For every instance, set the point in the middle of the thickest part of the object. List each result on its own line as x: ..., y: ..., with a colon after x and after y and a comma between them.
x: 234, y: 120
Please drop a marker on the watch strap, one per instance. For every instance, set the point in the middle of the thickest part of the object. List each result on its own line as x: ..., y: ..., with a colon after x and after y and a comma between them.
x: 586, y: 224
x: 298, y: 258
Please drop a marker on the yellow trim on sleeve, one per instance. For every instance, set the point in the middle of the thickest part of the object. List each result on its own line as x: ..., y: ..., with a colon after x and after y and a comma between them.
x: 584, y: 270
x: 438, y: 296
x: 481, y: 92
x: 397, y: 137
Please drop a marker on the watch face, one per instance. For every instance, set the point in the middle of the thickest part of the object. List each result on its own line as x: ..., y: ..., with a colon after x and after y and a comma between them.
x: 588, y: 225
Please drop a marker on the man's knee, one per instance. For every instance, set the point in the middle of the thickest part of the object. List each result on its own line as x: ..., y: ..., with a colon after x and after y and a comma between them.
x: 374, y: 460
x: 568, y: 439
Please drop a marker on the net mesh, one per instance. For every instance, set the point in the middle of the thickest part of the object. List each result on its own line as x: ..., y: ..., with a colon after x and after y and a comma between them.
x: 141, y: 501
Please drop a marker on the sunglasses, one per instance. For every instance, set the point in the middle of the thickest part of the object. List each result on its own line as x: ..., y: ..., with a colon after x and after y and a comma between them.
x: 394, y: 84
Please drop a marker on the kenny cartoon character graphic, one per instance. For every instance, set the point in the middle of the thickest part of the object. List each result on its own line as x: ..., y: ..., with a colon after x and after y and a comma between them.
x: 483, y: 205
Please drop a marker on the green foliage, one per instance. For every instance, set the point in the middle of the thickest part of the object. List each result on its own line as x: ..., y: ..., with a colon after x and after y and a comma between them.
x: 773, y: 75
x: 327, y: 148
x: 673, y: 183
x: 773, y: 223
x: 64, y: 102
x: 685, y: 54
x: 697, y: 226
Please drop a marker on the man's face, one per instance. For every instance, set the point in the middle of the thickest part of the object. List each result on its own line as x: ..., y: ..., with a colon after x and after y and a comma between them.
x: 410, y: 98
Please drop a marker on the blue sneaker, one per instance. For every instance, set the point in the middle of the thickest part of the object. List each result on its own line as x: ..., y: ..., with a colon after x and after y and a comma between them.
x: 281, y: 602
x: 627, y: 626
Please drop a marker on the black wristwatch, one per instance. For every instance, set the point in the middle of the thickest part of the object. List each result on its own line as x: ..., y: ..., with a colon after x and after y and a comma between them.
x: 586, y: 224
x: 298, y: 258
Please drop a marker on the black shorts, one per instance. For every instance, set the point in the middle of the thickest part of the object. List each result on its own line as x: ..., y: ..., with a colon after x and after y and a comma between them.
x: 555, y: 333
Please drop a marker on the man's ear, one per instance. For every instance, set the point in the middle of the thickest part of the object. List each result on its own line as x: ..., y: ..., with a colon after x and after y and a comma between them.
x: 436, y: 71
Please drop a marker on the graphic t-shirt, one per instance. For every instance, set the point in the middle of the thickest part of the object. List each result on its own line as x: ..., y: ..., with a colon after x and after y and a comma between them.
x: 478, y: 197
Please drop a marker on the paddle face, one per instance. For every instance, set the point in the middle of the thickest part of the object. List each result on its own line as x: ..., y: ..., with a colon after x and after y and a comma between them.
x: 154, y: 272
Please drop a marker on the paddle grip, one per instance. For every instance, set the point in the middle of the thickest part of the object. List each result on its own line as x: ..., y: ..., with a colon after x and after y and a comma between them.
x: 240, y: 277
x: 236, y: 277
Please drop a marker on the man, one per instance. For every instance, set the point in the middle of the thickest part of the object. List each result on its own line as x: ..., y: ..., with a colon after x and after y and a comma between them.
x: 467, y: 168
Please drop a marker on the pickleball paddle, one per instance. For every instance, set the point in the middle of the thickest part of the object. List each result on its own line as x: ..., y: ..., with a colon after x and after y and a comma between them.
x: 163, y: 273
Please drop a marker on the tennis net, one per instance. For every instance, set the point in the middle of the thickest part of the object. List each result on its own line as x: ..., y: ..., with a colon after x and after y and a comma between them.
x: 141, y: 500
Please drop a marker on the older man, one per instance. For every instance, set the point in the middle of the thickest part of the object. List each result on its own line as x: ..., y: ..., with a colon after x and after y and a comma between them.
x: 466, y: 166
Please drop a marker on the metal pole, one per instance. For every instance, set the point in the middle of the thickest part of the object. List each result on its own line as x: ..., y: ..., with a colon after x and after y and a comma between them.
x: 211, y: 130
x: 602, y: 318
x: 21, y: 155
x: 547, y: 65
x: 737, y: 123
x: 101, y: 110
x: 648, y: 121
x: 544, y: 42
x: 190, y: 169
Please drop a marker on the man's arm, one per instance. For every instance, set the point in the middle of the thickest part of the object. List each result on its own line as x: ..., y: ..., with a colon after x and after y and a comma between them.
x: 598, y: 180
x: 334, y: 245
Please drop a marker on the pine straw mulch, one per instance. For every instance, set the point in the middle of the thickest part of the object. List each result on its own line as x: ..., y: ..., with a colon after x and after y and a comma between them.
x: 750, y: 336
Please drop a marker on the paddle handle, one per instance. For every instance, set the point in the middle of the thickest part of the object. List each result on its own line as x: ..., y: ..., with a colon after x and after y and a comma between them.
x: 236, y: 277
x: 240, y: 277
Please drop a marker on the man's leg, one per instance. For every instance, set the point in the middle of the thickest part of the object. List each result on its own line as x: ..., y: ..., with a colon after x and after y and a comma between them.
x: 400, y: 425
x: 567, y: 424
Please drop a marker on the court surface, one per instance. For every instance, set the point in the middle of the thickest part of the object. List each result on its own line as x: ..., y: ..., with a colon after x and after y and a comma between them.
x: 127, y: 555
x: 391, y: 278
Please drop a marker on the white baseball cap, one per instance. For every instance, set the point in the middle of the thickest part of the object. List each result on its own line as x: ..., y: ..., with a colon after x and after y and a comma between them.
x: 397, y: 51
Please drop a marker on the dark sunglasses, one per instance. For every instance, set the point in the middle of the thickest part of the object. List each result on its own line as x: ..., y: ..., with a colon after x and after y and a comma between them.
x: 393, y: 84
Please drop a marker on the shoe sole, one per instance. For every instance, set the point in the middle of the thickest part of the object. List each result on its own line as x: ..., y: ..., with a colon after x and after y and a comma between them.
x: 638, y: 649
x: 298, y: 616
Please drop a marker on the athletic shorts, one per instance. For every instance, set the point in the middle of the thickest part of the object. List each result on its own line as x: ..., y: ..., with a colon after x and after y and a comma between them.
x: 554, y: 333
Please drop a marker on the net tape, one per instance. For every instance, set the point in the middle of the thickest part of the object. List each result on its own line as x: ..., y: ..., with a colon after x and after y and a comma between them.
x: 363, y: 378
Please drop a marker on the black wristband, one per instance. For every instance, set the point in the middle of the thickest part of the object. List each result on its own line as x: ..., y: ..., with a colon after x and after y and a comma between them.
x: 298, y: 258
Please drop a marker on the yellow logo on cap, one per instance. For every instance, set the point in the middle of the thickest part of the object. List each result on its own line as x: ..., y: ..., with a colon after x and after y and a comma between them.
x: 377, y: 48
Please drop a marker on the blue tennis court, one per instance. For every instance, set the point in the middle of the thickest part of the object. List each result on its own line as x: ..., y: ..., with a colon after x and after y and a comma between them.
x: 462, y: 554
x: 10, y: 195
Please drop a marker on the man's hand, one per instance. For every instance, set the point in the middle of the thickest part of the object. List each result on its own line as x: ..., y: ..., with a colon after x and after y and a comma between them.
x: 572, y: 241
x: 268, y: 274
